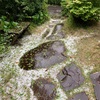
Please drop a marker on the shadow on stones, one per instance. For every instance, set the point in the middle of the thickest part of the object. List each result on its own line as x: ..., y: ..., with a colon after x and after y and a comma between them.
x: 44, y: 89
x: 70, y: 77
x: 44, y: 56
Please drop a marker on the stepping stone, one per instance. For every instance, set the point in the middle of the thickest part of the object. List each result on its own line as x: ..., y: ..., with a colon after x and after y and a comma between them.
x: 57, y: 32
x: 80, y: 96
x: 44, y: 56
x: 96, y: 82
x: 70, y: 77
x: 44, y: 89
x: 59, y: 35
x: 58, y: 27
x: 54, y: 11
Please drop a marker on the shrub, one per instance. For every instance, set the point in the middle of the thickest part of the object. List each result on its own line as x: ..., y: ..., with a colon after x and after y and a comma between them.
x: 23, y: 9
x: 3, y: 42
x: 83, y: 9
x: 96, y: 3
x: 6, y: 25
x: 64, y: 4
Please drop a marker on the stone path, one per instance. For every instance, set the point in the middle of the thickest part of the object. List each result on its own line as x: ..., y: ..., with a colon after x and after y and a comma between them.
x: 48, y: 54
x: 57, y: 32
x: 54, y: 11
x: 46, y: 70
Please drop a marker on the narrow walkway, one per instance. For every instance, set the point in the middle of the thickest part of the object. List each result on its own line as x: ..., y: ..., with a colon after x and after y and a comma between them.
x: 17, y: 82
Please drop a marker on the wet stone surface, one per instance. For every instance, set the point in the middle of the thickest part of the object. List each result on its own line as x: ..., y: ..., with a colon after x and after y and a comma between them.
x: 44, y: 89
x: 80, y: 96
x: 57, y: 33
x: 70, y: 77
x: 44, y: 56
x: 54, y: 11
x: 58, y: 28
x: 96, y: 82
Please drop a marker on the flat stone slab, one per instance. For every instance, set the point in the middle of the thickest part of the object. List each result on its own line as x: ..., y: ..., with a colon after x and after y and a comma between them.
x: 59, y: 35
x: 44, y: 89
x: 57, y: 32
x: 80, y: 96
x: 44, y: 56
x: 58, y: 28
x: 96, y: 82
x: 70, y: 77
x: 54, y: 10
